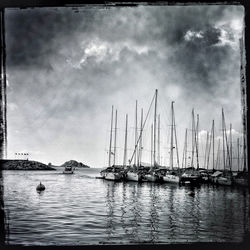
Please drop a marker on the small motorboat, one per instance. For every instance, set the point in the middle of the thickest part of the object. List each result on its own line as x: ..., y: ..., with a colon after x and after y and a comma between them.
x: 68, y: 170
x: 40, y: 187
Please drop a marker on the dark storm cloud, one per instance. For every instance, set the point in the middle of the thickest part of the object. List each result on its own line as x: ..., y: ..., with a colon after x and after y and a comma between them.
x: 198, y: 57
x: 38, y: 34
x: 34, y: 34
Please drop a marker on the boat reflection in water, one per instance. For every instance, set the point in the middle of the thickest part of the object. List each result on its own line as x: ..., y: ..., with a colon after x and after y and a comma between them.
x: 108, y: 212
x: 158, y: 213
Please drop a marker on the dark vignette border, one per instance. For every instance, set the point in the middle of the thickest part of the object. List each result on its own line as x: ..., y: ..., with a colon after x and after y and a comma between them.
x: 81, y: 3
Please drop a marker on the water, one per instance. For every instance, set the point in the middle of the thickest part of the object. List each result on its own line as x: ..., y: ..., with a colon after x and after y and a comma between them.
x: 81, y: 210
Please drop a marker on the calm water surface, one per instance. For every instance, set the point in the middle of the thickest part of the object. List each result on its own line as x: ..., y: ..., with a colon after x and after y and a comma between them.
x: 79, y: 209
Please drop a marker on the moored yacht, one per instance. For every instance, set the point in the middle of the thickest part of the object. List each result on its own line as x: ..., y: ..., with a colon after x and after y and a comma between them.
x: 191, y: 176
x: 241, y: 179
x: 113, y: 174
x: 226, y: 179
x: 152, y: 176
x: 172, y: 177
x: 133, y: 176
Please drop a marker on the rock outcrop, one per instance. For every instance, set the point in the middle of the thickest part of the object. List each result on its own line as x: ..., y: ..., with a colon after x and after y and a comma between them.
x: 23, y: 165
x: 75, y: 164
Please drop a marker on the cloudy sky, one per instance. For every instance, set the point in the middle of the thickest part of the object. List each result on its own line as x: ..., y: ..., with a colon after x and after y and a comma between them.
x: 66, y: 69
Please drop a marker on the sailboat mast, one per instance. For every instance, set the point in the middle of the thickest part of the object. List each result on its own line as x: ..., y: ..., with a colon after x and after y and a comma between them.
x: 171, y: 137
x: 209, y: 147
x: 155, y: 113
x: 197, y: 141
x: 152, y: 145
x: 192, y: 159
x: 137, y: 143
x: 159, y: 139
x: 223, y: 140
x: 136, y: 154
x: 115, y: 136
x: 186, y: 149
x: 176, y: 145
x: 238, y: 150
x: 218, y: 155
x: 213, y: 141
x: 225, y: 134
x: 206, y: 151
x: 110, y: 142
x: 231, y: 147
x: 140, y: 143
x: 125, y: 143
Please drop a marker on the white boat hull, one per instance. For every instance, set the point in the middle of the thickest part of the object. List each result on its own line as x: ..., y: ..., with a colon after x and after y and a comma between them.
x: 103, y: 174
x: 112, y: 176
x: 171, y: 178
x: 68, y: 172
x: 132, y: 176
x: 150, y: 177
x: 190, y: 179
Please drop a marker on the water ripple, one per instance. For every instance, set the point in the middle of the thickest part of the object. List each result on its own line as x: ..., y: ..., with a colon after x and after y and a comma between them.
x: 81, y: 210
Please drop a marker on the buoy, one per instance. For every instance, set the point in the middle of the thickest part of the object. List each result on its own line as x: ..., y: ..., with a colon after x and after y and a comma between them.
x: 40, y: 187
x: 191, y: 193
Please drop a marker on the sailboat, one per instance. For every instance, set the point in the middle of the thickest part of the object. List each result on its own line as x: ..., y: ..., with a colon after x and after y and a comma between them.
x: 152, y: 174
x: 241, y: 179
x: 134, y: 172
x: 172, y: 176
x: 191, y: 175
x: 226, y: 179
x: 112, y: 172
x: 205, y: 173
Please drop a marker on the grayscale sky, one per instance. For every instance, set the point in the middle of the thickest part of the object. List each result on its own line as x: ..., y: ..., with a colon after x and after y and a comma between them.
x: 66, y: 69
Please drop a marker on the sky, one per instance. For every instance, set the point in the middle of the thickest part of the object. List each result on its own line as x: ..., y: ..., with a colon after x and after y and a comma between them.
x: 67, y: 67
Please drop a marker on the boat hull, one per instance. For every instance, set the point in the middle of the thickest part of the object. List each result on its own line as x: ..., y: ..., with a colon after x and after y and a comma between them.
x: 150, y: 178
x: 204, y: 179
x: 171, y: 178
x: 241, y: 182
x: 113, y: 176
x: 190, y: 179
x: 68, y: 172
x: 130, y: 176
x: 224, y: 181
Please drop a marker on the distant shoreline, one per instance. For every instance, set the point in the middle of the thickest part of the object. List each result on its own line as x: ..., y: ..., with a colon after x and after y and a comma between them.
x: 35, y: 165
x: 24, y: 165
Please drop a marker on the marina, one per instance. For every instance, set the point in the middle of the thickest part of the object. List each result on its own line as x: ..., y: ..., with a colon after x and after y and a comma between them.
x: 155, y: 172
